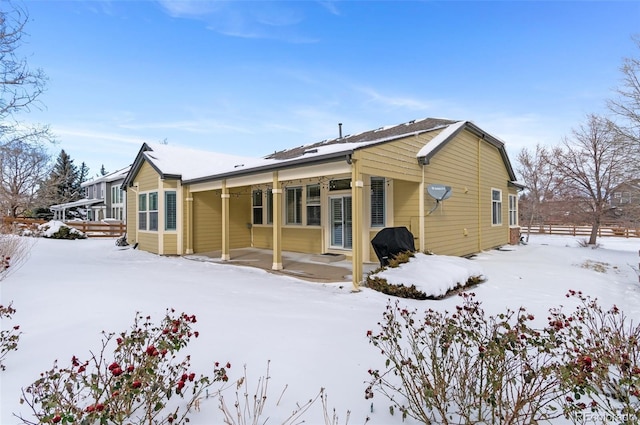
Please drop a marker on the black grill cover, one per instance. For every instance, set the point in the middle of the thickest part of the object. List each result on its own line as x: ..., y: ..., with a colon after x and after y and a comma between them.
x: 391, y: 241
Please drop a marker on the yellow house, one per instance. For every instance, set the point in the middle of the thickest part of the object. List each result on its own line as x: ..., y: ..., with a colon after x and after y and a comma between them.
x: 449, y: 182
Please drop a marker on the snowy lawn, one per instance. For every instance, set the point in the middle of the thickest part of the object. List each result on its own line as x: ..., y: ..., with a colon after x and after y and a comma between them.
x: 67, y: 292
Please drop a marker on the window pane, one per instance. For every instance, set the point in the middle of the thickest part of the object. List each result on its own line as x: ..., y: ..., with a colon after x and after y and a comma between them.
x: 142, y: 202
x: 142, y: 221
x: 257, y: 198
x: 170, y: 211
x: 256, y: 201
x: 153, y: 201
x: 313, y: 215
x: 313, y: 205
x: 377, y: 201
x: 153, y: 220
x: 294, y: 205
x: 496, y: 207
x: 313, y: 194
x: 342, y: 184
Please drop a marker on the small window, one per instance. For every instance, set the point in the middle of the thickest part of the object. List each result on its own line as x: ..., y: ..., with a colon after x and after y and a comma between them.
x: 256, y: 197
x: 496, y: 207
x: 342, y: 184
x: 294, y: 205
x: 513, y: 210
x: 142, y: 211
x: 153, y: 211
x: 170, y: 211
x: 313, y: 205
x: 377, y: 201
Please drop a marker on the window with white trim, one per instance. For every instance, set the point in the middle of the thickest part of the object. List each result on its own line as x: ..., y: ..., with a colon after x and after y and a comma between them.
x: 153, y: 211
x: 170, y: 210
x: 256, y: 203
x: 313, y: 205
x: 377, y: 202
x: 513, y: 210
x: 294, y: 205
x: 142, y: 211
x: 496, y: 207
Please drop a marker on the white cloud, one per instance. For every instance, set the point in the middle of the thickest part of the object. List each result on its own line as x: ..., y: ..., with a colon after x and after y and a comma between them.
x: 397, y: 101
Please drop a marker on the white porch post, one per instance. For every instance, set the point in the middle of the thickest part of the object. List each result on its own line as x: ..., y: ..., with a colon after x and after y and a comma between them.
x: 357, y: 186
x: 277, y: 222
x: 225, y: 222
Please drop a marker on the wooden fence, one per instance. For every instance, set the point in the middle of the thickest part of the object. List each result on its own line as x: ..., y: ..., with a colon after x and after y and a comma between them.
x: 93, y: 229
x: 574, y: 230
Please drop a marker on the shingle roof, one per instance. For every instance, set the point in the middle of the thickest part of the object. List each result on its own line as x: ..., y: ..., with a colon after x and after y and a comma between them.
x: 380, y: 134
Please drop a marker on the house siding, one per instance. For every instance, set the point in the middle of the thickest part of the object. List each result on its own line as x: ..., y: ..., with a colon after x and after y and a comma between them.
x: 170, y: 244
x: 494, y: 176
x: 302, y: 239
x: 396, y: 159
x: 461, y: 225
x: 207, y: 220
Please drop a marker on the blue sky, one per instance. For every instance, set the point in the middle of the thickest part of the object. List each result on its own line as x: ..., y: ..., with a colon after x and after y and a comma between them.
x: 252, y: 77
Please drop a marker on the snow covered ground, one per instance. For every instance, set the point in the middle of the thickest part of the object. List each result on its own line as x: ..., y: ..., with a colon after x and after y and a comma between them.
x: 314, y: 334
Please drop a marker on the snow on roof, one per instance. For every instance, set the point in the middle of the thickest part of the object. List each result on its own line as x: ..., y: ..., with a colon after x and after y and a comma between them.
x: 191, y: 163
x: 441, y: 138
x: 80, y: 203
x: 109, y: 177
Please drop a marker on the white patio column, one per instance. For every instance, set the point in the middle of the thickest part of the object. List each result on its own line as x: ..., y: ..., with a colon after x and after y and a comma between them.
x: 277, y: 222
x: 225, y: 222
x: 357, y: 186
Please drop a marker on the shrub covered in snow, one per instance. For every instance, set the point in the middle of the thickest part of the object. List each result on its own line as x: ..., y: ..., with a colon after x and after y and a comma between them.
x: 415, y: 276
x: 58, y: 230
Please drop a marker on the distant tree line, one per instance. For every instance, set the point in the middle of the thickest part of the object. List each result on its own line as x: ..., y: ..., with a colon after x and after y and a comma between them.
x: 575, y: 181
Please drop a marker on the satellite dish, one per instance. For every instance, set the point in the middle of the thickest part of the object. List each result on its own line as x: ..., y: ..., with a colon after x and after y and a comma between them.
x: 439, y: 192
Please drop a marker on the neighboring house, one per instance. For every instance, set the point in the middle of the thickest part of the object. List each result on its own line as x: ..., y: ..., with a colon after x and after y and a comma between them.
x: 329, y: 197
x: 625, y: 202
x: 104, y: 199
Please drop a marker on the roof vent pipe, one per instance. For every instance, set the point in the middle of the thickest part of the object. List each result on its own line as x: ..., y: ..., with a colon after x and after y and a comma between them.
x: 340, y: 130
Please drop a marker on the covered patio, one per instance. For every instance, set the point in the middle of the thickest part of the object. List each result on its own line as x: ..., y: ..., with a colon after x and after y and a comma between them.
x: 321, y: 268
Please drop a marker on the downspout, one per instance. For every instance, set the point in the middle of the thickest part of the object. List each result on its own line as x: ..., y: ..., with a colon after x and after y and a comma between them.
x: 421, y: 209
x: 479, y: 199
x: 134, y: 188
x: 160, y: 216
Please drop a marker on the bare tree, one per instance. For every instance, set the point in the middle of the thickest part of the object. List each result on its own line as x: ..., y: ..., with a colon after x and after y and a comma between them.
x: 626, y: 104
x: 537, y: 174
x: 592, y: 162
x: 20, y: 86
x: 23, y: 166
x: 22, y: 156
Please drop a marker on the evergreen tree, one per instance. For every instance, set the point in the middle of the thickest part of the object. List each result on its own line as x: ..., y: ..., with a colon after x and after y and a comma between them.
x: 63, y: 183
x: 103, y: 172
x: 83, y: 174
